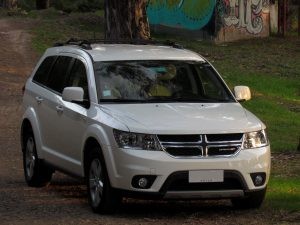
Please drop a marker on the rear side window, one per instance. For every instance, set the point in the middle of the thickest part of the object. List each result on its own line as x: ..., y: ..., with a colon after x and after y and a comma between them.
x: 58, y: 75
x: 42, y: 73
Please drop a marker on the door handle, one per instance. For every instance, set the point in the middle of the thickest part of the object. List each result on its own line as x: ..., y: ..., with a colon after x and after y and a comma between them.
x: 39, y: 99
x: 59, y: 109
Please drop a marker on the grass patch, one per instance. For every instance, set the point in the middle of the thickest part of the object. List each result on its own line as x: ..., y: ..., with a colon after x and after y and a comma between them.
x: 284, y: 193
x: 282, y: 123
x: 54, y: 26
x: 100, y: 13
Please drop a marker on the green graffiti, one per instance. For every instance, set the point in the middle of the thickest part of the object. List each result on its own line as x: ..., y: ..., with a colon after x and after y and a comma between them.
x: 189, y: 14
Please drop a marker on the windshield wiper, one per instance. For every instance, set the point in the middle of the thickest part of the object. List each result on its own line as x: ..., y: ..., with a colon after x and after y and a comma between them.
x: 121, y: 100
x: 159, y: 99
x: 175, y: 99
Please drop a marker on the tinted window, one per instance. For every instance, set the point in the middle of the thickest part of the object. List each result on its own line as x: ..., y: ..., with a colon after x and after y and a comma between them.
x: 41, y: 75
x: 156, y: 81
x: 78, y: 78
x: 59, y: 73
x: 212, y: 88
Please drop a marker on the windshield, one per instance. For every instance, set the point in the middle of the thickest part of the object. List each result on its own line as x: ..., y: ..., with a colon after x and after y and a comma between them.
x: 159, y: 81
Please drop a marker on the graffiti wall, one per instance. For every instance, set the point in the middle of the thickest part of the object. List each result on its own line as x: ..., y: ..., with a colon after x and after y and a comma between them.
x: 224, y: 20
x: 239, y: 19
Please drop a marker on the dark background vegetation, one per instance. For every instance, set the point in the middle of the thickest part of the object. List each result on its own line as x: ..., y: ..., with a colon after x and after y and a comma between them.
x: 67, y: 5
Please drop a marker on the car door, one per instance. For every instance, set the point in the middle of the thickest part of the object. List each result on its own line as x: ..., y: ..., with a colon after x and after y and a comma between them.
x: 48, y: 99
x: 72, y: 119
x: 39, y: 95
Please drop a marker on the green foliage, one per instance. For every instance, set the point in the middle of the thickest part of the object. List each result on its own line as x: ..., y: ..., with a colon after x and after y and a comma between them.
x: 26, y: 4
x: 47, y: 14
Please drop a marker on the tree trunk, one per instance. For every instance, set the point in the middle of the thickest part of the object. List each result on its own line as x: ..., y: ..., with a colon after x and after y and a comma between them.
x: 126, y: 19
x: 299, y: 36
x: 42, y: 4
x: 10, y: 4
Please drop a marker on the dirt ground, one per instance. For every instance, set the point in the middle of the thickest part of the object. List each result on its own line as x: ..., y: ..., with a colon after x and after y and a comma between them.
x: 64, y: 200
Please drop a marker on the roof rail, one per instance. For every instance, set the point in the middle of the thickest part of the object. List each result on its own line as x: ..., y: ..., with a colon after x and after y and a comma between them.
x: 86, y: 44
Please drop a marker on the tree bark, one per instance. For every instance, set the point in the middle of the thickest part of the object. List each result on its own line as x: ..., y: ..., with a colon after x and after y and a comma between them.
x: 10, y: 4
x: 299, y: 36
x: 126, y: 19
x: 42, y: 4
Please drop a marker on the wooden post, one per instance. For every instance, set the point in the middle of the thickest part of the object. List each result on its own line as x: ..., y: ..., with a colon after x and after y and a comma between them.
x: 282, y: 17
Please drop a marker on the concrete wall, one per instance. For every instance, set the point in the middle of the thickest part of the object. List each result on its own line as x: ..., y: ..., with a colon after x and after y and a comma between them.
x: 218, y: 20
x: 242, y: 19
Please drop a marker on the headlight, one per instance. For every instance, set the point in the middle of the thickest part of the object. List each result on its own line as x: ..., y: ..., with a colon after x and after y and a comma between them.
x: 255, y: 139
x: 136, y: 141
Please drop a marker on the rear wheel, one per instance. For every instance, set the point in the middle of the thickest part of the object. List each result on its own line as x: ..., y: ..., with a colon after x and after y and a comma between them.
x: 35, y: 172
x: 252, y: 200
x: 102, y: 197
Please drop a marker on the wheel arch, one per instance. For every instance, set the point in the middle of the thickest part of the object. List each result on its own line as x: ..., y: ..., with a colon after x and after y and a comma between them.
x: 26, y: 126
x: 98, y: 136
x: 90, y: 143
x: 30, y: 121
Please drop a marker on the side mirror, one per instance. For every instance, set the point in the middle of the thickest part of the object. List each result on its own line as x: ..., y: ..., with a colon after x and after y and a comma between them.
x: 242, y: 93
x: 73, y: 94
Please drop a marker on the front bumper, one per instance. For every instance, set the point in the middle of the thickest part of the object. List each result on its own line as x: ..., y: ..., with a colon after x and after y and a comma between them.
x: 124, y: 164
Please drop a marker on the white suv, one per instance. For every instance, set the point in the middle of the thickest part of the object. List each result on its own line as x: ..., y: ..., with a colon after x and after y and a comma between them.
x: 142, y: 120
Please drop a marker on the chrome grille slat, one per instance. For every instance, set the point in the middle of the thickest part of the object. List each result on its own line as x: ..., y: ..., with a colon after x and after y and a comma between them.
x: 182, y: 146
x: 180, y: 143
x: 229, y: 145
x: 222, y: 146
x: 212, y: 142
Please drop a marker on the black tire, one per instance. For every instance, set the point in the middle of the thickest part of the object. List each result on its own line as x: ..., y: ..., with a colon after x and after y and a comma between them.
x: 102, y: 197
x: 35, y: 172
x: 252, y: 200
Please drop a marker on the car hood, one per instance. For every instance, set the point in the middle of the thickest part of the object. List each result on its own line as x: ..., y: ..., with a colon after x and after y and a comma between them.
x: 184, y: 118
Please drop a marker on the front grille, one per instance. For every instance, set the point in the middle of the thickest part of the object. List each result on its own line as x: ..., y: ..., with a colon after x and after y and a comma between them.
x: 185, y: 151
x: 201, y: 145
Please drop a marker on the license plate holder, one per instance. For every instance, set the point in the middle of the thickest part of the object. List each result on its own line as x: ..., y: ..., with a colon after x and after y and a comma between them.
x: 206, y: 176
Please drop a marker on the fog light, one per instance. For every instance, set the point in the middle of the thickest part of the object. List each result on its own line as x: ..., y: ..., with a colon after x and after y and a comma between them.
x: 143, y: 182
x: 258, y: 178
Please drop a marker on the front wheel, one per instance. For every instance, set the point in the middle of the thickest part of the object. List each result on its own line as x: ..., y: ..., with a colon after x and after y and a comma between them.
x: 35, y: 172
x: 102, y: 197
x: 252, y: 200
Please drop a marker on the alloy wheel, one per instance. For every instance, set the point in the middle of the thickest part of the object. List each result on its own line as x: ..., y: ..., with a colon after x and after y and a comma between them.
x: 30, y: 159
x: 96, y: 182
